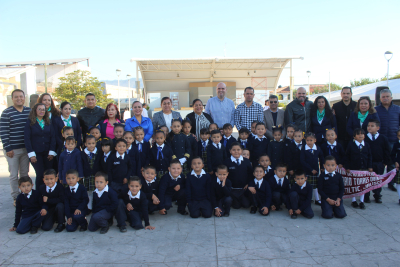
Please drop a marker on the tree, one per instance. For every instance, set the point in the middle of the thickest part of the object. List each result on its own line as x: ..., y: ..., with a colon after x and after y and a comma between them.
x: 325, y: 89
x: 363, y: 81
x: 391, y: 78
x: 76, y: 85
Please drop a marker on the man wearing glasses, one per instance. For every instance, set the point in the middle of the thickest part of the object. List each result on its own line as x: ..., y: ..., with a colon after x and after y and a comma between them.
x: 220, y: 107
x: 248, y: 111
x: 274, y: 117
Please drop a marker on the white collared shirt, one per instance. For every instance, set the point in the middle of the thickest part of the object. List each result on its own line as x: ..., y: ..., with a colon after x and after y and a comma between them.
x: 243, y: 141
x: 267, y: 170
x: 87, y: 152
x: 205, y: 142
x: 217, y: 145
x: 162, y: 146
x: 75, y: 186
x: 139, y: 142
x: 329, y: 144
x: 260, y: 139
x: 304, y: 185
x: 52, y: 188
x: 195, y: 174
x: 235, y: 160
x: 106, y: 156
x: 227, y: 138
x: 277, y: 179
x: 333, y: 173
x: 259, y: 182
x: 29, y: 194
x: 152, y: 181
x: 132, y: 196
x: 118, y: 155
x: 219, y: 181
x: 175, y: 179
x: 129, y: 149
x: 298, y: 144
x: 311, y: 148
x: 100, y: 193
x: 358, y: 144
x: 370, y: 135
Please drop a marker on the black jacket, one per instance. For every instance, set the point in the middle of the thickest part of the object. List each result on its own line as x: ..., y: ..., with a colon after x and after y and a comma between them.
x: 342, y: 114
x: 301, y: 116
x: 89, y: 117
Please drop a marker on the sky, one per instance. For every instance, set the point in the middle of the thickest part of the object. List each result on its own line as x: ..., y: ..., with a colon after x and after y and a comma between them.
x: 347, y: 39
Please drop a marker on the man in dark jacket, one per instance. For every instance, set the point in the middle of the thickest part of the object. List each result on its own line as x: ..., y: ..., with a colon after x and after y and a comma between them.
x: 299, y: 111
x: 342, y: 111
x: 90, y: 115
x: 389, y: 114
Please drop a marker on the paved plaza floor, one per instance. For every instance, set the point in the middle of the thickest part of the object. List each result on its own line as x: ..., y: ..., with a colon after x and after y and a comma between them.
x: 368, y: 237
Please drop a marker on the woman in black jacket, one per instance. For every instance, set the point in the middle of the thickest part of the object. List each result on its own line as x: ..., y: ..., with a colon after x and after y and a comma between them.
x: 198, y: 119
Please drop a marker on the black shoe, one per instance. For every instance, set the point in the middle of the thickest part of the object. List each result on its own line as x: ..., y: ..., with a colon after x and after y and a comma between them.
x: 399, y: 201
x: 354, y: 204
x: 377, y: 200
x: 318, y: 202
x: 294, y: 216
x: 362, y: 206
x: 367, y: 200
x: 226, y: 215
x: 60, y: 228
x: 34, y: 230
x: 183, y: 212
x: 104, y: 230
x: 122, y: 229
x: 391, y: 187
x: 110, y: 221
x: 88, y: 212
x: 278, y: 208
x: 83, y: 228
x: 253, y: 210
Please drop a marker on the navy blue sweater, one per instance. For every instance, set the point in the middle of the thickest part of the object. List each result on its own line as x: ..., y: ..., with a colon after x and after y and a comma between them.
x: 27, y: 207
x: 215, y: 156
x: 227, y: 143
x: 87, y: 171
x: 150, y: 189
x: 59, y: 125
x: 193, y: 146
x: 357, y: 159
x: 78, y: 200
x: 309, y: 160
x: 305, y: 195
x: 140, y: 205
x: 284, y: 189
x: 320, y: 129
x: 390, y: 119
x: 354, y: 122
x: 264, y: 192
x: 107, y: 201
x: 259, y: 148
x: 162, y: 163
x: 144, y: 156
x: 198, y: 189
x: 292, y: 158
x: 167, y: 185
x: 38, y: 139
x: 180, y: 146
x: 133, y: 154
x: 118, y: 169
x: 218, y: 191
x: 69, y: 161
x: 276, y: 152
x: 104, y: 162
x: 247, y: 143
x: 337, y: 152
x: 330, y: 187
x: 53, y: 198
x: 395, y: 154
x: 200, y: 147
x: 380, y: 148
x: 239, y: 175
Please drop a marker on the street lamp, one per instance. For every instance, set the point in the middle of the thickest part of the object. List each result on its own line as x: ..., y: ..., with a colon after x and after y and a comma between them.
x: 118, y: 71
x: 388, y: 56
x: 129, y: 90
x: 309, y: 89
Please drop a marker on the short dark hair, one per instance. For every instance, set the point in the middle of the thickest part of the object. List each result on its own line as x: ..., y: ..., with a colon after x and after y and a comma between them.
x: 198, y: 157
x: 215, y: 132
x: 260, y: 123
x: 347, y: 87
x: 204, y: 131
x: 24, y: 179
x: 17, y: 90
x: 272, y: 96
x: 165, y: 98
x: 194, y: 101
x: 72, y: 171
x: 254, y: 122
x: 244, y: 130
x: 101, y: 174
x: 174, y: 161
x: 263, y: 155
x: 213, y: 124
x: 50, y: 172
x: 120, y: 140
x: 134, y: 179
x: 70, y: 138
x: 258, y: 166
x: 330, y: 158
x: 138, y: 128
x: 222, y: 167
x: 145, y: 168
x: 88, y: 137
x: 377, y: 123
x: 248, y: 88
x: 94, y: 128
x: 310, y: 134
x: 280, y: 165
x: 226, y: 126
x: 128, y: 132
x: 358, y: 131
x: 235, y: 144
x: 291, y: 126
x: 300, y: 172
x: 90, y: 94
x: 107, y: 142
x: 116, y: 125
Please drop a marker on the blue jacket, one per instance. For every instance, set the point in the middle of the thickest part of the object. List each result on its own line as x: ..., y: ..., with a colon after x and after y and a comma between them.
x: 320, y: 129
x: 390, y: 121
x: 146, y: 125
x: 58, y: 125
x: 354, y: 122
x: 38, y: 140
x: 69, y: 161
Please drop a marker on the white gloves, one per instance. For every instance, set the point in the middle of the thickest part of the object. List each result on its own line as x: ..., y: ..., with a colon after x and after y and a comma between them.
x: 182, y: 160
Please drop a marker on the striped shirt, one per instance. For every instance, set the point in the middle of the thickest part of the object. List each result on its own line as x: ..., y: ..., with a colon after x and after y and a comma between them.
x: 12, y: 124
x: 244, y: 115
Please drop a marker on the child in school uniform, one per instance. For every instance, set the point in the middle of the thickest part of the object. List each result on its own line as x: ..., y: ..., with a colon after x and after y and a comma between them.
x: 290, y: 129
x: 131, y: 151
x: 119, y: 167
x: 260, y: 143
x: 75, y: 202
x: 172, y: 187
x: 91, y: 159
x: 216, y: 153
x: 265, y: 162
x: 180, y: 144
x: 29, y: 211
x: 107, y: 145
x: 65, y: 132
x: 253, y: 133
x: 69, y: 159
x: 134, y: 207
x: 395, y: 156
x: 221, y: 188
x: 333, y: 148
x: 186, y: 128
x: 213, y: 127
x: 293, y: 151
x: 246, y: 153
x: 160, y: 154
x: 309, y: 156
x: 119, y: 130
x: 95, y: 132
x: 198, y: 190
x: 202, y: 146
x: 150, y: 184
x: 240, y: 173
x: 359, y: 158
x: 53, y: 202
x: 379, y: 144
x: 280, y: 188
x: 105, y: 204
x: 227, y: 139
x: 276, y: 148
x: 143, y: 148
x: 331, y: 188
x: 260, y: 192
x: 244, y: 138
x: 300, y: 196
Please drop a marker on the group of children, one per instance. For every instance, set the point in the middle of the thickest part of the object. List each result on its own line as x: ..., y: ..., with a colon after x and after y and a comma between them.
x: 129, y: 178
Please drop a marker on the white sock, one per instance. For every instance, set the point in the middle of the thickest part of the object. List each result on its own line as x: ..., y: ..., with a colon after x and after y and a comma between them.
x: 316, y: 194
x: 398, y: 189
x: 90, y: 203
x: 362, y: 198
x: 353, y: 199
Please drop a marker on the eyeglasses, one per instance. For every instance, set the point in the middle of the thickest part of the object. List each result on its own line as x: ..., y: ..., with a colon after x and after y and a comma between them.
x: 273, y: 102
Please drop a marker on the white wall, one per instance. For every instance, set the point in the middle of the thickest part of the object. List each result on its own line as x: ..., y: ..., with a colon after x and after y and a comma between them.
x: 54, y: 72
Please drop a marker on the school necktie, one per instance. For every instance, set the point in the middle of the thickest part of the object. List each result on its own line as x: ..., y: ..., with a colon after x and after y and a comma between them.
x: 360, y: 146
x: 72, y: 190
x: 299, y: 146
x: 244, y: 144
x: 159, y: 153
x: 105, y: 158
x: 127, y: 151
x: 120, y: 157
x: 204, y: 145
x: 91, y: 155
x: 280, y: 182
x: 330, y: 175
x: 258, y: 185
x: 238, y: 162
x: 373, y: 137
x: 198, y: 176
x: 311, y: 151
x: 140, y: 147
x: 50, y: 190
x: 225, y: 141
x: 331, y: 148
x: 69, y: 152
x: 26, y: 196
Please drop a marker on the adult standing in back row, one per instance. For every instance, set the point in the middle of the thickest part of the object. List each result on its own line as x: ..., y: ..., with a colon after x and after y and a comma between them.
x: 299, y: 111
x: 90, y: 115
x: 220, y: 107
x: 12, y: 125
x: 248, y: 111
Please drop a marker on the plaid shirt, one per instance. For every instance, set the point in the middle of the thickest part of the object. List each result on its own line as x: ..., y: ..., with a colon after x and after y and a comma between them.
x: 244, y: 115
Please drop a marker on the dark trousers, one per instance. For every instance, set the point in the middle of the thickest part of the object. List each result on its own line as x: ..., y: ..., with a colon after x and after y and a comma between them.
x: 278, y: 199
x: 179, y: 196
x: 40, y: 166
x: 200, y: 208
x: 152, y: 207
x: 296, y: 202
x: 134, y: 217
x: 99, y: 220
x: 77, y: 220
x: 257, y: 200
x: 225, y: 204
x: 240, y: 198
x: 379, y: 168
x: 27, y: 223
x: 328, y: 211
x: 54, y: 213
x: 117, y: 188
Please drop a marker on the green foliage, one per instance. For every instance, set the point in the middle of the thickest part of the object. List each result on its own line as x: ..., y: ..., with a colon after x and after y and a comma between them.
x: 391, y: 78
x: 76, y: 85
x: 325, y: 89
x: 363, y: 81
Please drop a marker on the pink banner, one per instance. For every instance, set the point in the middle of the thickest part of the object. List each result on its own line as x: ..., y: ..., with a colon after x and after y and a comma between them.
x: 357, y: 183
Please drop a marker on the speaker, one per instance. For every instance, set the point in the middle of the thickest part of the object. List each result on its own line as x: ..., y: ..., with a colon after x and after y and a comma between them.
x: 378, y: 94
